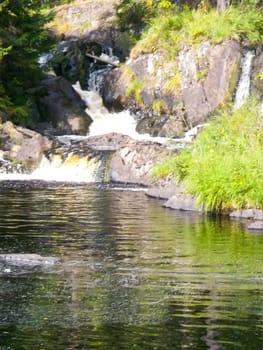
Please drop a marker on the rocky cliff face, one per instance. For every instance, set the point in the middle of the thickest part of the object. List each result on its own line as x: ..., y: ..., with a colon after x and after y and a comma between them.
x: 167, y: 97
x: 174, y: 97
x: 257, y: 79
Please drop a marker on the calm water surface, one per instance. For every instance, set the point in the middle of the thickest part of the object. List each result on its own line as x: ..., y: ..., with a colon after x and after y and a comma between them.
x: 132, y: 275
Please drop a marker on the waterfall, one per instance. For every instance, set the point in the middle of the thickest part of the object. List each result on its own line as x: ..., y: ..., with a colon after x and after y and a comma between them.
x: 106, y: 122
x: 68, y: 168
x: 97, y: 71
x: 243, y: 87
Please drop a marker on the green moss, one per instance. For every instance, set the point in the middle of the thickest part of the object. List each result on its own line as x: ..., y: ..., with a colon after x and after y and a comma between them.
x: 202, y: 74
x: 233, y: 82
x: 173, y: 82
x: 259, y: 76
x: 134, y: 90
x: 158, y: 105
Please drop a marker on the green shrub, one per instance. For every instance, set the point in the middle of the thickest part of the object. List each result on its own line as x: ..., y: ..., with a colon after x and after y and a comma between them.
x: 223, y: 167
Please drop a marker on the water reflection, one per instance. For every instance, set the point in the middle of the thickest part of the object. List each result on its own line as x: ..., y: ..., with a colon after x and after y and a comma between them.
x: 132, y: 275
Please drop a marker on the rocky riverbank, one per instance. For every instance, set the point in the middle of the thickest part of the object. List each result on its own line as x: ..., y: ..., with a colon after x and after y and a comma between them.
x: 167, y: 99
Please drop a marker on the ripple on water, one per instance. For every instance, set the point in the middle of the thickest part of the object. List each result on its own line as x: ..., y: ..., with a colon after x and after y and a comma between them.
x: 132, y: 274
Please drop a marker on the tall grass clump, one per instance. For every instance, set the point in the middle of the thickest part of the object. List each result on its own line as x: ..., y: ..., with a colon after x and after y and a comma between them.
x: 168, y: 33
x: 223, y: 167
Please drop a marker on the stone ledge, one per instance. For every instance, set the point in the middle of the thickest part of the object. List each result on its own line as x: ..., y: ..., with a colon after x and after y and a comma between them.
x: 255, y: 226
x: 254, y: 214
x: 184, y: 202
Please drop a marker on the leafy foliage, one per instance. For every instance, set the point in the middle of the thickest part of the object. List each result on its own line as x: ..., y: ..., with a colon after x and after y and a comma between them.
x: 23, y: 39
x: 223, y: 166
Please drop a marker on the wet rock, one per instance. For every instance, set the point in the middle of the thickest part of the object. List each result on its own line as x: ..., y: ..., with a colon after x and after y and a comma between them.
x: 178, y: 95
x: 133, y: 162
x: 110, y: 141
x: 22, y: 146
x: 258, y: 214
x: 68, y: 61
x: 255, y: 226
x: 183, y: 202
x: 165, y: 188
x: 257, y: 82
x: 243, y: 214
x: 209, y: 75
x: 255, y: 214
x: 60, y: 109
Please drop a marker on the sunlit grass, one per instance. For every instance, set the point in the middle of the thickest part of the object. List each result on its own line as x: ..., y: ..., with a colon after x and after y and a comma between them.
x: 170, y: 32
x: 223, y: 167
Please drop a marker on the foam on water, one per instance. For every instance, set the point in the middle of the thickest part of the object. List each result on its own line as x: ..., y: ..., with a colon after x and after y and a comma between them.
x: 78, y: 171
x: 105, y: 122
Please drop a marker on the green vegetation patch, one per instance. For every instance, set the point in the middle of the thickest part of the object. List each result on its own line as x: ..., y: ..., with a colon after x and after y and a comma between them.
x: 134, y: 89
x: 169, y: 32
x: 223, y: 167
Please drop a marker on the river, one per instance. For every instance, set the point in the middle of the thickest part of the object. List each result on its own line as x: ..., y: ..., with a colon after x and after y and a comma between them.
x: 132, y: 275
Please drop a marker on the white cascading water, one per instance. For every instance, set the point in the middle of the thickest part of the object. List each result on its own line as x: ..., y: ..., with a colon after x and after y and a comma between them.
x: 243, y: 87
x: 72, y: 169
x: 105, y: 122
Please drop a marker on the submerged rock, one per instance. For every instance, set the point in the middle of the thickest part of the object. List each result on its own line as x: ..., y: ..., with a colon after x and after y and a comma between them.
x: 28, y: 260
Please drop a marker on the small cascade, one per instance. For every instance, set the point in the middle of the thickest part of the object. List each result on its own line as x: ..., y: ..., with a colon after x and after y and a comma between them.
x: 77, y: 159
x: 97, y: 71
x: 243, y: 88
x: 74, y: 168
x: 105, y: 122
x: 67, y: 168
x: 103, y: 171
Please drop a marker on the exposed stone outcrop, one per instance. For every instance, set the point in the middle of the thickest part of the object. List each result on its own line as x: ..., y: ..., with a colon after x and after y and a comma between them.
x: 208, y: 76
x: 90, y: 21
x: 133, y: 162
x: 176, y: 95
x: 185, y: 202
x: 257, y: 82
x: 255, y: 217
x: 83, y: 17
x: 21, y: 147
x: 142, y: 85
x: 59, y: 109
x: 256, y: 226
x: 175, y: 195
x: 254, y: 214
